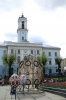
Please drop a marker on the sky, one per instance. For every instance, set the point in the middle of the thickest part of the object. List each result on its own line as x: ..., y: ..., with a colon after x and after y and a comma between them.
x: 46, y: 21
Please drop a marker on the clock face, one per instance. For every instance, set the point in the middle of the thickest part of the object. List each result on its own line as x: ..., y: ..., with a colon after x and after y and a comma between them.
x: 25, y: 51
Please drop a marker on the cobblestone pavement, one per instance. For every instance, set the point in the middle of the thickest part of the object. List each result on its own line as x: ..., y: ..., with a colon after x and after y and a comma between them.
x: 5, y: 95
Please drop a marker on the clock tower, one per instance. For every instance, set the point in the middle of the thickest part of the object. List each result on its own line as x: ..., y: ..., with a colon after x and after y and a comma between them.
x: 22, y: 29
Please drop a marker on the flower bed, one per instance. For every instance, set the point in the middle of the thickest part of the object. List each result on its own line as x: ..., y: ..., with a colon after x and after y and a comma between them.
x: 55, y: 84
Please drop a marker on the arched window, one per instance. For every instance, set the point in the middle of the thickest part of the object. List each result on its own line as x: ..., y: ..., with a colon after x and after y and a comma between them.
x: 18, y: 59
x: 22, y: 24
x: 25, y: 58
x: 22, y: 38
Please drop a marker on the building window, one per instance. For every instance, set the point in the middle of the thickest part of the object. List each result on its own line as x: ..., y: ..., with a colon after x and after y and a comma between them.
x: 31, y: 51
x: 50, y: 63
x: 11, y: 51
x: 50, y: 71
x: 22, y: 38
x: 25, y: 58
x: 55, y: 62
x: 49, y: 53
x: 37, y: 51
x: 17, y: 70
x: 22, y: 24
x: 56, y: 70
x: 18, y: 51
x: 4, y: 51
x: 18, y: 59
x: 55, y: 53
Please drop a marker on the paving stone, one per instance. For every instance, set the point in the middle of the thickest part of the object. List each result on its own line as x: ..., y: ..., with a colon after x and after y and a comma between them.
x: 5, y: 95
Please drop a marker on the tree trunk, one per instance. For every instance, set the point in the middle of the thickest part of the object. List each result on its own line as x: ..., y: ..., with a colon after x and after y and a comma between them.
x: 44, y: 71
x: 9, y: 71
x: 59, y: 70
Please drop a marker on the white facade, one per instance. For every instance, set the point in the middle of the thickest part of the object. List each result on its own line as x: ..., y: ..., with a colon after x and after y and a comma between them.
x: 51, y: 53
x: 22, y: 29
x: 23, y: 48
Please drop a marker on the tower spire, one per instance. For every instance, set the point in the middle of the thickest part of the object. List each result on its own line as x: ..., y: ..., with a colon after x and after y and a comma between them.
x: 22, y: 14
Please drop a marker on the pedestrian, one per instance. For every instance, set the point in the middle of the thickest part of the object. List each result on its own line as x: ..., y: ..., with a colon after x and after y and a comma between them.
x: 2, y: 81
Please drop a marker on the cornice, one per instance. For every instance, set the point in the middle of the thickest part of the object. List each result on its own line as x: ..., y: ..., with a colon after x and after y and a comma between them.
x: 52, y: 48
x: 3, y: 46
x: 15, y: 47
x: 25, y: 44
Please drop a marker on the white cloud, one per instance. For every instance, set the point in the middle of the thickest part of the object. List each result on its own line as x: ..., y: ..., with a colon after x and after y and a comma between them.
x: 43, y: 25
x: 9, y: 23
x: 51, y: 4
x: 8, y: 5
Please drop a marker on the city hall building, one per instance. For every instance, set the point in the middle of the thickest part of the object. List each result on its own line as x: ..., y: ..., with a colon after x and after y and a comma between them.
x: 23, y: 48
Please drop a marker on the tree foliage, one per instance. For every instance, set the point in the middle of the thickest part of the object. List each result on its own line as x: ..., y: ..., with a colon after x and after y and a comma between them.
x: 8, y: 60
x: 42, y: 58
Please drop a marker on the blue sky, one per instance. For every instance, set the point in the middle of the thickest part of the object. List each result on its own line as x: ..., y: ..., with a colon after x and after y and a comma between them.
x: 46, y: 21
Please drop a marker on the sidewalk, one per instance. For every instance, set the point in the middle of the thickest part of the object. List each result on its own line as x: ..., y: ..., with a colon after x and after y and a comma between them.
x: 5, y: 95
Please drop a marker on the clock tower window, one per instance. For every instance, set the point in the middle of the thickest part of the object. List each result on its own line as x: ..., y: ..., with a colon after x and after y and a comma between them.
x: 22, y: 24
x: 22, y: 38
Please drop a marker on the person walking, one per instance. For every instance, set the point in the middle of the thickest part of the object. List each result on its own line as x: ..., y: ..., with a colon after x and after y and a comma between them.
x: 2, y: 81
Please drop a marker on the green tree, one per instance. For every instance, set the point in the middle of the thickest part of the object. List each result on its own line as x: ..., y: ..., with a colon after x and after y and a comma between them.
x: 58, y: 62
x: 8, y: 60
x: 42, y: 58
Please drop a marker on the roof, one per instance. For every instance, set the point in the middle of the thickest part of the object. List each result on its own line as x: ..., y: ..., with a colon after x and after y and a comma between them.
x: 22, y: 16
x: 50, y: 47
x: 10, y: 43
x: 46, y: 46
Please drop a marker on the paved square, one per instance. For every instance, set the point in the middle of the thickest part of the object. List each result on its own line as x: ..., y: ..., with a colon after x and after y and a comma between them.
x: 5, y: 95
